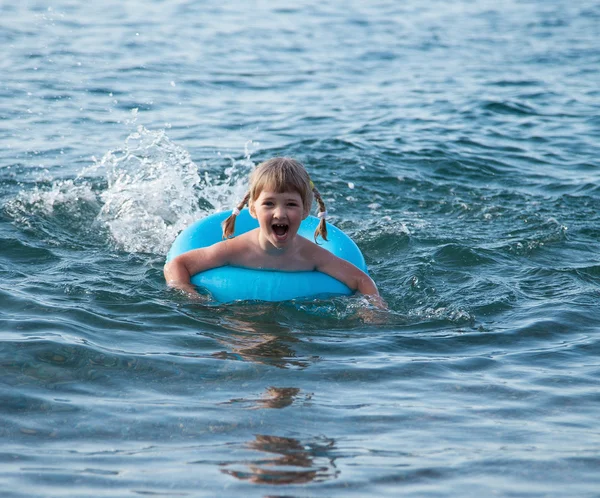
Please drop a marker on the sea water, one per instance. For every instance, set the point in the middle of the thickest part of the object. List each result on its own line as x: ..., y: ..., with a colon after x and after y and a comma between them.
x: 456, y: 142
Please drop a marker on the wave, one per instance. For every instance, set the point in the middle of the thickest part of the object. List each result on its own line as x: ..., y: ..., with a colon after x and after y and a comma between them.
x: 137, y: 197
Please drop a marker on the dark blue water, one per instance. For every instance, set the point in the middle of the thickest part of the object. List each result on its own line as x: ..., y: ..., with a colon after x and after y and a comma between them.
x: 456, y: 142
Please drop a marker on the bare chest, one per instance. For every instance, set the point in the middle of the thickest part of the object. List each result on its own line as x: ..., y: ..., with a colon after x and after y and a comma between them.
x: 293, y: 259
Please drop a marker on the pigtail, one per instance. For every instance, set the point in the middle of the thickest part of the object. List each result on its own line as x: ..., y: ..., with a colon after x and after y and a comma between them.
x: 322, y: 227
x: 229, y: 223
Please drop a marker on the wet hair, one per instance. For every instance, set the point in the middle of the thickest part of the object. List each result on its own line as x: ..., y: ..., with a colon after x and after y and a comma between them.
x: 280, y: 174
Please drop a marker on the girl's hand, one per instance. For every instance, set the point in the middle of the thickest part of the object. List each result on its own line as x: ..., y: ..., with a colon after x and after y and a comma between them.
x: 374, y: 311
x: 188, y: 290
x: 377, y: 301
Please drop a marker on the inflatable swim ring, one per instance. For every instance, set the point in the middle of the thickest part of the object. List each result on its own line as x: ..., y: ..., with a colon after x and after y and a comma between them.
x: 230, y: 283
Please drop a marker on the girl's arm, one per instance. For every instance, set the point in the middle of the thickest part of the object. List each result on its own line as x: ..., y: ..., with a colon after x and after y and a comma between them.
x: 179, y: 270
x: 346, y: 272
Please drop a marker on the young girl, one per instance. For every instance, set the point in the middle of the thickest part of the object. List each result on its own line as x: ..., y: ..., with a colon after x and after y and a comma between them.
x: 280, y: 197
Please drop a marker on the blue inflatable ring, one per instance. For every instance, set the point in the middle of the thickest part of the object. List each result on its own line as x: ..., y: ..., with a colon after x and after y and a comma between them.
x: 230, y: 283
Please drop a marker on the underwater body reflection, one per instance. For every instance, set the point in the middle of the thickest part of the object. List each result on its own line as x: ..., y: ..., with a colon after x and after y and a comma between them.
x: 254, y: 335
x: 295, y: 461
x: 259, y: 340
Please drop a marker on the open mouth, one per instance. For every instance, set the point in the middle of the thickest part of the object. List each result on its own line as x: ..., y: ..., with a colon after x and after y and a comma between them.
x: 280, y: 230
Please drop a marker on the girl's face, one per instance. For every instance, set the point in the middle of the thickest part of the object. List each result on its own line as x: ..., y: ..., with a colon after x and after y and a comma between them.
x: 279, y: 216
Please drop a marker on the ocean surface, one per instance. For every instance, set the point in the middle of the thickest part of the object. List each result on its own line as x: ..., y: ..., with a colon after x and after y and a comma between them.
x: 457, y: 143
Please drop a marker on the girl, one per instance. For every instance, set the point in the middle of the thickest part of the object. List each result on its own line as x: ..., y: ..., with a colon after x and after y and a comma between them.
x: 280, y: 197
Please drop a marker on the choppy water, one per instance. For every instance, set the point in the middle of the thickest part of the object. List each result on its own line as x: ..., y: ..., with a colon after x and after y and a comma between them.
x: 456, y: 142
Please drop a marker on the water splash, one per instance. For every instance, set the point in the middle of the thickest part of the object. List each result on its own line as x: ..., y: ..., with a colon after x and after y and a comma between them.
x: 62, y: 194
x: 141, y: 194
x: 151, y: 194
x: 155, y: 190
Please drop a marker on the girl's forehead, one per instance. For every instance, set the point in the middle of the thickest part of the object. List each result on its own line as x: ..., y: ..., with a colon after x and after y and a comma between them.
x: 266, y: 192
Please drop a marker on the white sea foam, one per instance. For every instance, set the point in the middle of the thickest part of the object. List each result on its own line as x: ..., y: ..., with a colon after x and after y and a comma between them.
x: 143, y: 193
x: 64, y: 193
x: 155, y: 190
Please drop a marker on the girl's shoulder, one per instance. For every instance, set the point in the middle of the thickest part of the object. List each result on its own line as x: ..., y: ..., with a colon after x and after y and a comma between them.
x: 313, y: 251
x: 244, y: 240
x: 240, y: 247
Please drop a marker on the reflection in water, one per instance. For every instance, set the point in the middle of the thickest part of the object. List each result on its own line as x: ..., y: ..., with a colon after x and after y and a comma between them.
x: 273, y: 397
x: 297, y: 462
x: 278, y: 397
x: 257, y: 342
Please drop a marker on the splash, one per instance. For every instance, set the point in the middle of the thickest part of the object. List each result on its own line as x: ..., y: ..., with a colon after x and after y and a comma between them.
x: 63, y: 194
x: 139, y: 196
x: 155, y: 190
x: 60, y: 212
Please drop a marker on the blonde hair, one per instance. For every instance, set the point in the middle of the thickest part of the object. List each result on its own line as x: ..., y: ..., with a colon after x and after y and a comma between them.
x: 280, y: 174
